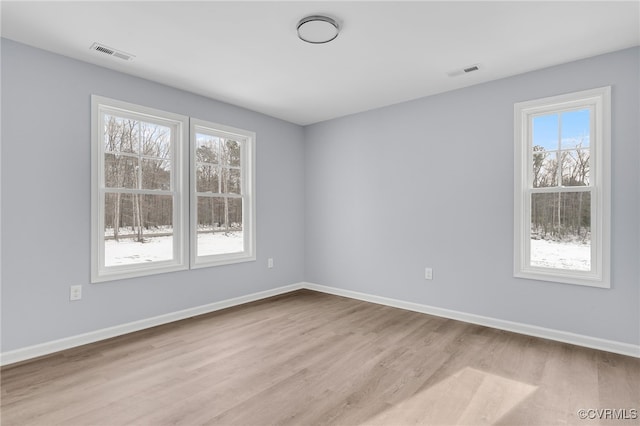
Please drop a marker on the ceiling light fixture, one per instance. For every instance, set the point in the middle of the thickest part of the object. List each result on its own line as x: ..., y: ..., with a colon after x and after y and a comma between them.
x: 317, y: 29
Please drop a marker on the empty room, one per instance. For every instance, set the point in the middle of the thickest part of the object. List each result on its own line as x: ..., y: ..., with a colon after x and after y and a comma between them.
x: 320, y: 213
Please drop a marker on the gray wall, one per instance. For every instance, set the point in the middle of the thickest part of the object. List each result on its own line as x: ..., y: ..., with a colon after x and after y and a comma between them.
x: 430, y: 183
x: 46, y: 202
x: 368, y: 201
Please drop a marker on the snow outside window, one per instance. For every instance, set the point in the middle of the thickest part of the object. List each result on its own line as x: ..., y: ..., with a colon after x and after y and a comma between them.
x: 222, y: 212
x: 139, y: 190
x: 562, y: 195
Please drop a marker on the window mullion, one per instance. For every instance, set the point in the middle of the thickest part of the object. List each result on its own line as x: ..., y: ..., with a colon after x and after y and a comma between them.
x: 559, y: 153
x: 217, y: 195
x: 139, y: 171
x: 553, y: 189
x: 138, y: 191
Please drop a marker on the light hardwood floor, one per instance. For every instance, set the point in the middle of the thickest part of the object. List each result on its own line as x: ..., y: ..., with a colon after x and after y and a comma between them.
x: 308, y: 358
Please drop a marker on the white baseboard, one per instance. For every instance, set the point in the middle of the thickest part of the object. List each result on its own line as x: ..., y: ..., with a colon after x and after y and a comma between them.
x: 47, y: 348
x: 530, y: 330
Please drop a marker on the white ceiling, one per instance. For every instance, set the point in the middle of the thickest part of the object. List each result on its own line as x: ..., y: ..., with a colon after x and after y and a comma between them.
x: 248, y: 54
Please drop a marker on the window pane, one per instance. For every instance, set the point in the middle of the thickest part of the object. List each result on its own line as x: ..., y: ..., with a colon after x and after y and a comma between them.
x: 120, y: 171
x: 561, y: 230
x: 576, y: 129
x: 575, y: 167
x: 156, y: 140
x: 156, y: 174
x: 120, y: 134
x: 210, y: 214
x: 138, y: 228
x: 235, y: 213
x: 545, y: 132
x: 207, y: 179
x: 231, y: 181
x: 231, y: 153
x: 219, y: 226
x: 207, y: 148
x: 545, y: 168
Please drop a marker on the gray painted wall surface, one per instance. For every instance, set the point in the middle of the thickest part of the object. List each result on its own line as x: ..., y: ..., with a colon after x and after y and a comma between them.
x: 430, y: 183
x: 46, y: 202
x: 368, y: 201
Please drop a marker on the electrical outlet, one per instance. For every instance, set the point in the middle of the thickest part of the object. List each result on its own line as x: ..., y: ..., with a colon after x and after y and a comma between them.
x: 270, y: 262
x: 428, y: 273
x: 75, y: 292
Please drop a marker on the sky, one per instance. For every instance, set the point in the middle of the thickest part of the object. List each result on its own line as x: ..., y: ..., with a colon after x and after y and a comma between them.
x: 574, y: 125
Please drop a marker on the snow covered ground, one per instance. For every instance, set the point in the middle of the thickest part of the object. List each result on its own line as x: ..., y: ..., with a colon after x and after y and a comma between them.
x: 561, y: 255
x: 154, y: 249
x: 219, y: 243
x: 544, y: 253
x: 126, y: 251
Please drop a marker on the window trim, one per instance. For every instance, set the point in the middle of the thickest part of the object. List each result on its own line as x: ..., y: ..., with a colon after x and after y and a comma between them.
x: 247, y: 192
x: 179, y: 189
x: 600, y: 149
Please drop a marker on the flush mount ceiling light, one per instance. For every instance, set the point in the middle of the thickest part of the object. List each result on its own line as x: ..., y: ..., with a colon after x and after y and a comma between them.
x: 318, y: 29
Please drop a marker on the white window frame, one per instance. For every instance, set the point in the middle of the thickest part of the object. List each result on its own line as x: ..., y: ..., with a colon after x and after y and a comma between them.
x: 247, y: 192
x: 599, y: 102
x: 179, y: 125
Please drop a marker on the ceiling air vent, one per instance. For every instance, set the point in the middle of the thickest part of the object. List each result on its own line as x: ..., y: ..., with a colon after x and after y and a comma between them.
x: 111, y: 52
x: 465, y: 70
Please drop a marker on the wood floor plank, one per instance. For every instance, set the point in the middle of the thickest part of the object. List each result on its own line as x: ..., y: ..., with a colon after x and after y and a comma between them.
x: 308, y: 358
